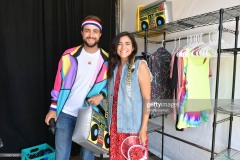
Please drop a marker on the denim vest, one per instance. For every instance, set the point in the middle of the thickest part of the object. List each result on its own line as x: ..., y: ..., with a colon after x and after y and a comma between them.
x: 129, y: 107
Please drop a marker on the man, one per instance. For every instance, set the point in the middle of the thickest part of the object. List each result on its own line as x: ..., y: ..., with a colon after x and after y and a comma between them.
x: 81, y: 77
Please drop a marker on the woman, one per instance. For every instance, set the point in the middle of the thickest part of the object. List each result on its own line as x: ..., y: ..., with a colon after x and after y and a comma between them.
x: 129, y: 92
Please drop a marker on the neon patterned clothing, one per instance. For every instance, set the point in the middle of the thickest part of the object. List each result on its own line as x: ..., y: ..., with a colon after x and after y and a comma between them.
x: 66, y: 74
x: 116, y: 138
x: 188, y: 119
x: 198, y: 85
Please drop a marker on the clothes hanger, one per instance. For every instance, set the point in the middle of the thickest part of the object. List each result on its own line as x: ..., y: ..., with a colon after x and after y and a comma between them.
x: 179, y: 46
x: 162, y: 44
x: 175, y: 45
x: 200, y: 49
x: 210, y: 49
x: 213, y: 46
x: 189, y: 42
x: 206, y: 50
x: 195, y: 42
x: 179, y: 43
x: 198, y: 44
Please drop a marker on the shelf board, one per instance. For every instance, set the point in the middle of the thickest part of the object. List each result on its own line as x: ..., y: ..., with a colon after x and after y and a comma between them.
x: 228, y: 154
x: 191, y: 22
x: 160, y: 113
x: 152, y: 127
x: 231, y: 108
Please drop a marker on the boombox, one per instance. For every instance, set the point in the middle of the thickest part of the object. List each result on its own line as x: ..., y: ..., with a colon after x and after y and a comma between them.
x: 99, y: 133
x: 91, y: 130
x: 154, y: 14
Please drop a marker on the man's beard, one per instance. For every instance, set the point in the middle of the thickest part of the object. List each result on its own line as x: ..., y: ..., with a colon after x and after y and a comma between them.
x: 88, y: 45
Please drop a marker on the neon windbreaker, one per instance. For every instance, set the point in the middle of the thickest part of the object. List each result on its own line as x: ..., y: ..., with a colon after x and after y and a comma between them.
x: 66, y: 74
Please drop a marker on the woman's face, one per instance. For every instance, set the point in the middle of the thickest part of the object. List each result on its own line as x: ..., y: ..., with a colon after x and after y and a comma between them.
x: 124, y: 48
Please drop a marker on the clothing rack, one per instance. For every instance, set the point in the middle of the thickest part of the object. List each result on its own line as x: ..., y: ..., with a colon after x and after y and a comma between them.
x: 216, y: 17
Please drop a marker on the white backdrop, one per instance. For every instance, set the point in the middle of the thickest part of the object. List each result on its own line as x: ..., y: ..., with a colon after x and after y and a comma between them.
x: 202, y: 135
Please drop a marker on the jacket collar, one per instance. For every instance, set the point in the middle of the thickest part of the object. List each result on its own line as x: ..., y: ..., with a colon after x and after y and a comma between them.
x: 103, y: 53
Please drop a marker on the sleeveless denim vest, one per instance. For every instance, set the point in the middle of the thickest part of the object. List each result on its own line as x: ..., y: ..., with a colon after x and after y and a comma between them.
x: 129, y: 107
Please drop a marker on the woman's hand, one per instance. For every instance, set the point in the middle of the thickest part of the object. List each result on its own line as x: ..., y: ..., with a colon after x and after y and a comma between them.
x: 143, y: 137
x: 95, y: 100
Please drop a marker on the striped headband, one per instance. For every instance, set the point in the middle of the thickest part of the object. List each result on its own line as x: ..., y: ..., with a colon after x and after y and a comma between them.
x: 92, y: 22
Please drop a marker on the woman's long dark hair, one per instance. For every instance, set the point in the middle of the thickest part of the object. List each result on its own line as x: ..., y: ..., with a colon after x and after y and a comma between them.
x: 114, y: 58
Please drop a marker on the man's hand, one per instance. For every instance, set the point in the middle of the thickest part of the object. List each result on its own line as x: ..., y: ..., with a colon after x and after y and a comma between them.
x: 95, y: 100
x: 51, y: 114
